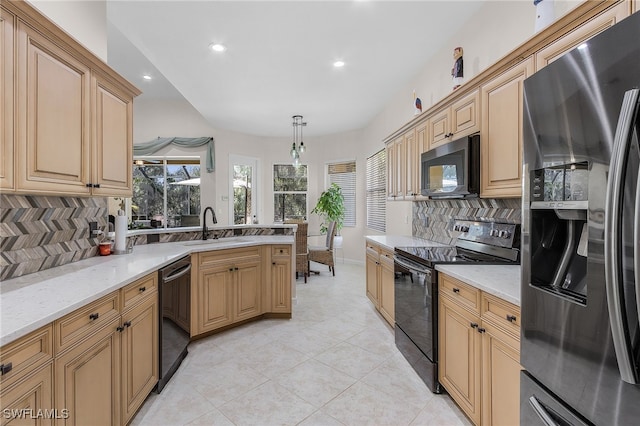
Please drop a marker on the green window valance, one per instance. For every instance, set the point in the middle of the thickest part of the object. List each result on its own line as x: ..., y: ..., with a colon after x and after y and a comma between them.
x: 148, y: 148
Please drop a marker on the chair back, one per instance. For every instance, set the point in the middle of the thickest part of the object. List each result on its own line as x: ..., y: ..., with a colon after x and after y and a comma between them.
x: 301, y: 235
x: 331, y: 232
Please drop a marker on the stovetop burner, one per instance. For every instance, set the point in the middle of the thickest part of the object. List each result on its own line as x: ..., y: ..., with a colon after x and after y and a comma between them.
x: 478, y: 242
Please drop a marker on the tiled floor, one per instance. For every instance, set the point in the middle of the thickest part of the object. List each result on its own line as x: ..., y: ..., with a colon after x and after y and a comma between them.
x: 333, y: 363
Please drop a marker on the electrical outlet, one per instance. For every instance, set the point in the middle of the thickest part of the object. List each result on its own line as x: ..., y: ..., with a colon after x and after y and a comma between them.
x: 93, y: 226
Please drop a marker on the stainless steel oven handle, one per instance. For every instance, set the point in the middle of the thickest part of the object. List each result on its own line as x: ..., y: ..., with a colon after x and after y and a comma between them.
x: 177, y: 274
x: 412, y: 267
x: 541, y: 412
x: 612, y: 238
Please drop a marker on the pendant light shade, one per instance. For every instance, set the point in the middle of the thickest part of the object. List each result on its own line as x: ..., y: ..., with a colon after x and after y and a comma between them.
x: 297, y: 147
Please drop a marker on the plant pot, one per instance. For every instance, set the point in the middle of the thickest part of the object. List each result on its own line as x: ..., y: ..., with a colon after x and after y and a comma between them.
x: 337, y: 241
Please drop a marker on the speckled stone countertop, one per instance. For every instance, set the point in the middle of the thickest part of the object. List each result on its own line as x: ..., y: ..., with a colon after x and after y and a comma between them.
x: 392, y: 241
x: 32, y: 301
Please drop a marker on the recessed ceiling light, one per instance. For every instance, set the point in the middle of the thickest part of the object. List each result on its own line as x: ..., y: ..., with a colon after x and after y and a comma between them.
x: 146, y: 77
x: 217, y: 47
x: 338, y: 64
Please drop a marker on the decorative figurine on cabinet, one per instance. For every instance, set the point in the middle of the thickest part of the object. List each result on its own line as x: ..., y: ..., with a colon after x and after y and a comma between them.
x: 417, y: 103
x: 457, y: 70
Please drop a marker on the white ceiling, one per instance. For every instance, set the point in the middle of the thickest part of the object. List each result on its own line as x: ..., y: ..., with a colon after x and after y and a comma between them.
x: 280, y: 55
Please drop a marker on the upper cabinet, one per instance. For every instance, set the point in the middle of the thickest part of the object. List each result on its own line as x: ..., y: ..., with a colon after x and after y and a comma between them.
x: 501, y: 134
x: 70, y: 129
x: 7, y: 70
x: 581, y: 34
x: 459, y: 119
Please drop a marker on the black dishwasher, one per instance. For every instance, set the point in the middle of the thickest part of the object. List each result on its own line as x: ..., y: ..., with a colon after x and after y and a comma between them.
x: 175, y: 316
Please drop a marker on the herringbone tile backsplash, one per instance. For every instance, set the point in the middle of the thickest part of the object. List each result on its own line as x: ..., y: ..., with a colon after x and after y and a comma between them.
x: 40, y: 232
x: 433, y: 219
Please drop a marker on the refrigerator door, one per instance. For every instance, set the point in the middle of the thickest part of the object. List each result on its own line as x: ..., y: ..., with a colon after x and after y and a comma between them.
x: 572, y: 108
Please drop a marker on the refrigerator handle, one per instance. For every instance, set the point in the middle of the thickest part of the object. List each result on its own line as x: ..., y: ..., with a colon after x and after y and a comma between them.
x: 636, y: 245
x: 542, y: 412
x: 612, y: 260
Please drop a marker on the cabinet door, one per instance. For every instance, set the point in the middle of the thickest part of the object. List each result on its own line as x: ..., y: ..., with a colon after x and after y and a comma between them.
x: 53, y: 123
x: 398, y: 168
x: 460, y: 352
x: 112, y: 158
x: 214, y: 298
x: 391, y: 170
x: 581, y: 34
x: 247, y: 291
x: 411, y: 164
x: 387, y: 278
x: 500, y: 377
x: 372, y: 274
x: 87, y: 379
x: 281, y: 284
x: 7, y: 106
x: 139, y: 354
x: 439, y: 127
x: 501, y: 140
x: 465, y: 116
x: 28, y: 395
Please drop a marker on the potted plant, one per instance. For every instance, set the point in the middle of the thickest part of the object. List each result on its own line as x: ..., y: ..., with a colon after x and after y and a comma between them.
x: 330, y: 207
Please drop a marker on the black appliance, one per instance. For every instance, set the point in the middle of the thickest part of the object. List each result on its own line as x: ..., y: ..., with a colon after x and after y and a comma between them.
x: 174, y: 310
x: 452, y: 170
x: 416, y: 286
x: 580, y: 300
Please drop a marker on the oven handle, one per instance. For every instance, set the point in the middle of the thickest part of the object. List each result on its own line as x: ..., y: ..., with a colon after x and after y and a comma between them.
x: 412, y: 267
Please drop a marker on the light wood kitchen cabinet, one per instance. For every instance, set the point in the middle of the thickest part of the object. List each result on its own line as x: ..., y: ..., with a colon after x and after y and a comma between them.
x: 396, y: 179
x: 459, y: 119
x: 68, y: 131
x: 87, y: 379
x: 7, y: 72
x: 227, y: 288
x: 581, y: 34
x: 411, y: 172
x: 501, y: 135
x: 390, y: 150
x: 479, y: 352
x: 380, y: 280
x: 403, y: 167
x: 26, y: 397
x: 139, y: 354
x: 281, y: 279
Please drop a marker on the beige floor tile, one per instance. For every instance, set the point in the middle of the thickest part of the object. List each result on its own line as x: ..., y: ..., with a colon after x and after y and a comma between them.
x: 273, y: 359
x: 351, y: 359
x: 212, y: 418
x: 441, y: 411
x: 320, y: 419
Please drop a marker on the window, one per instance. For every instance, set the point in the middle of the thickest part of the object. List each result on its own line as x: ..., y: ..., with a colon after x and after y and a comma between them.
x: 344, y: 175
x: 166, y: 193
x: 289, y: 192
x: 376, y: 191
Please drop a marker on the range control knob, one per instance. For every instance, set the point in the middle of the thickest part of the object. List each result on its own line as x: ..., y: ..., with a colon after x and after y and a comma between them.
x: 464, y: 228
x: 456, y: 227
x: 494, y: 233
x: 504, y: 234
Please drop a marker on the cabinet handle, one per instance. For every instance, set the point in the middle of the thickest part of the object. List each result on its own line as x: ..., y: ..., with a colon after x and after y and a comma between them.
x: 94, y: 316
x: 456, y: 290
x: 127, y: 324
x: 473, y: 325
x: 273, y: 263
x: 141, y: 289
x: 5, y: 368
x: 481, y: 330
x: 281, y: 251
x: 89, y: 185
x: 511, y: 318
x: 120, y: 329
x: 230, y: 269
x: 96, y: 185
x: 235, y: 269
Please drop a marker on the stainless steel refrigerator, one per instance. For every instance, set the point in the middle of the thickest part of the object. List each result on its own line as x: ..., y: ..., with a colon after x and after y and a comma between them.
x: 580, y: 342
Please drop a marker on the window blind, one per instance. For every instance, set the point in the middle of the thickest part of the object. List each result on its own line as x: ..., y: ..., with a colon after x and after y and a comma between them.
x: 344, y: 175
x: 376, y: 191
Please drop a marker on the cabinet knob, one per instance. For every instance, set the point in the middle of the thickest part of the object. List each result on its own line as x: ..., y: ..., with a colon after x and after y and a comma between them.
x: 127, y: 324
x: 511, y: 318
x: 281, y: 251
x: 481, y: 330
x: 456, y: 290
x: 473, y: 325
x: 273, y: 263
x: 94, y: 316
x: 141, y: 289
x: 120, y: 329
x: 5, y: 368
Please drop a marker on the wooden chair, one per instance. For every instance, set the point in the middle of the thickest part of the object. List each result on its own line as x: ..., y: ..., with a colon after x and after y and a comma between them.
x: 302, y: 251
x: 324, y: 254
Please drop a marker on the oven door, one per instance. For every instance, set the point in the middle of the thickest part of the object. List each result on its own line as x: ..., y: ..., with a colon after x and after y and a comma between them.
x: 416, y: 314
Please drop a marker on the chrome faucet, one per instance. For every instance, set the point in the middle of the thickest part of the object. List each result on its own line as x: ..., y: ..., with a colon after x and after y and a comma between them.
x: 205, y: 232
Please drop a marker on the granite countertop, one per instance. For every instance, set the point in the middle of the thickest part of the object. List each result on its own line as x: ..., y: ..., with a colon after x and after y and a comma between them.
x: 32, y: 301
x: 392, y: 241
x: 502, y: 281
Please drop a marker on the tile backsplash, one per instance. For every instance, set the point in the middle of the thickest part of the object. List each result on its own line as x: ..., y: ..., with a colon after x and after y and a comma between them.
x: 433, y: 219
x: 40, y: 232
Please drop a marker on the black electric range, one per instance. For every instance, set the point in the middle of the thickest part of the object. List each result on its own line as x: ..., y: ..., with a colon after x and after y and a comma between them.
x: 416, y: 286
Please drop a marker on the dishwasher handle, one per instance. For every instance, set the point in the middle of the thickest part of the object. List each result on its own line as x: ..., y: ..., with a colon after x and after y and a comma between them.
x: 174, y: 275
x: 413, y: 267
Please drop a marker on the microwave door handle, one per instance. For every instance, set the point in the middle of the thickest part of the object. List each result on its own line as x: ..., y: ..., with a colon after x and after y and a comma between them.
x: 612, y: 257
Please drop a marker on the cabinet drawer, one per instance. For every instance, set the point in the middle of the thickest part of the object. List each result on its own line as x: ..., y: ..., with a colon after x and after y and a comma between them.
x: 76, y: 326
x: 501, y: 313
x: 26, y: 354
x: 211, y: 258
x: 462, y: 293
x: 139, y: 290
x: 386, y: 257
x: 281, y: 251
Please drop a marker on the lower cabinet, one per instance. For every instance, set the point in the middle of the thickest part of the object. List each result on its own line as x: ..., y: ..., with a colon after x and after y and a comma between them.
x: 479, y: 353
x: 31, y: 393
x: 281, y: 279
x: 380, y: 280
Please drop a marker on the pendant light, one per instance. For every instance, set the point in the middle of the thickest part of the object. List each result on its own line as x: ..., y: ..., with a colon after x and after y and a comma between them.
x: 297, y: 147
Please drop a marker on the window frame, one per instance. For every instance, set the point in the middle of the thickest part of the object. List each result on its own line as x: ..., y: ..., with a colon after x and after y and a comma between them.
x: 276, y: 192
x: 350, y: 220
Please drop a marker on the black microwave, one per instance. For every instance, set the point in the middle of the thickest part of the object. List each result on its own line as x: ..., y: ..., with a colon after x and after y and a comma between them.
x: 452, y: 170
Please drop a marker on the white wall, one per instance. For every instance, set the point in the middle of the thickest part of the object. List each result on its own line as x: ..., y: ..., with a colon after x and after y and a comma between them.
x: 86, y: 21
